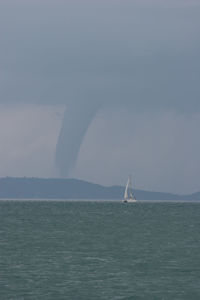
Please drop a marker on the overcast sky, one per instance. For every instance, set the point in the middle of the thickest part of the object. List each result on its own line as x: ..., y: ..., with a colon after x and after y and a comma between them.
x: 138, y: 61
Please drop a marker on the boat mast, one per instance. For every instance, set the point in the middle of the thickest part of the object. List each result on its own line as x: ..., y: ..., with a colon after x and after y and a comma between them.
x: 130, y: 187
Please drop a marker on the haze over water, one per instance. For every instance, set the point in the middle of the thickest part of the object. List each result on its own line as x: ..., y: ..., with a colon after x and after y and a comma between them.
x: 94, y: 250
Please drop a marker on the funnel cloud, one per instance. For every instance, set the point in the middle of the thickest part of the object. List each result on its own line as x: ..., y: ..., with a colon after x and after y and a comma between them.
x: 77, y: 119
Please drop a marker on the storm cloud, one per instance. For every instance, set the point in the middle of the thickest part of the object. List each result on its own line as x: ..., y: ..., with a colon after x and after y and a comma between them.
x: 89, y: 56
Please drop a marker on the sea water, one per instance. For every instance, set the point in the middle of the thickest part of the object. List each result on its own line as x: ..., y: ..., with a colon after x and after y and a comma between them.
x: 99, y: 250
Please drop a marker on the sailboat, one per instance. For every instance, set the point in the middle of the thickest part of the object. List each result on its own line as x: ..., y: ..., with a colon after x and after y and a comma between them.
x: 128, y: 194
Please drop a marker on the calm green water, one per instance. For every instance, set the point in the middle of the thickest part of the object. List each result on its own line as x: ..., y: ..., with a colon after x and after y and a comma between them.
x: 93, y: 250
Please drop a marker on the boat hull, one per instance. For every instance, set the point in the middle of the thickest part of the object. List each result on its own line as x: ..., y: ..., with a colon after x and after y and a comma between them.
x: 129, y: 200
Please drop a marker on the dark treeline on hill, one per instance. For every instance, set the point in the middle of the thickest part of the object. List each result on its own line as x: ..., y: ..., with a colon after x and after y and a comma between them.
x: 52, y: 188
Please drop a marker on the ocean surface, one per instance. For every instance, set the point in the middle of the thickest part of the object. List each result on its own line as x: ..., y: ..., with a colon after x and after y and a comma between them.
x: 99, y: 250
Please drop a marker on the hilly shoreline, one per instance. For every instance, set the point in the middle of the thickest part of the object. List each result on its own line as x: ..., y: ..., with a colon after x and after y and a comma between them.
x: 57, y: 188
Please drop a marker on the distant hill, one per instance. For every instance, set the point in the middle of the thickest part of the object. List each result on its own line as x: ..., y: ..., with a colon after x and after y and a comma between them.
x: 52, y: 188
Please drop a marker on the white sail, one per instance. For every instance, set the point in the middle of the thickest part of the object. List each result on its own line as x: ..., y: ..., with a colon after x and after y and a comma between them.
x: 126, y: 190
x: 128, y: 194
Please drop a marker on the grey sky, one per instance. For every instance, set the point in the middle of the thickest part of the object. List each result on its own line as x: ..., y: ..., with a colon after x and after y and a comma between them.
x: 142, y: 56
x: 54, y: 51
